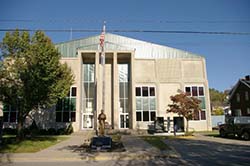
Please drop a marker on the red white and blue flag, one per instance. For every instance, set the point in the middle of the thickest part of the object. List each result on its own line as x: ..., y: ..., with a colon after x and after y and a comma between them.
x: 102, y: 36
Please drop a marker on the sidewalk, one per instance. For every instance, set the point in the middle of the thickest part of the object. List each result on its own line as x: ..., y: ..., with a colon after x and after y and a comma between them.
x: 69, y: 150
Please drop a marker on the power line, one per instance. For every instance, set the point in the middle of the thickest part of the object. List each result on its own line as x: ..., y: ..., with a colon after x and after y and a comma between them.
x: 128, y: 20
x: 132, y: 31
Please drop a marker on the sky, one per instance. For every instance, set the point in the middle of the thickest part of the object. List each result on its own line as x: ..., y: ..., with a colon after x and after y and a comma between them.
x: 227, y: 56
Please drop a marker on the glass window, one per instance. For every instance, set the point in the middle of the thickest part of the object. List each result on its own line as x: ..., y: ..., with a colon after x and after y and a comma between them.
x: 138, y: 116
x: 203, y: 103
x: 138, y: 91
x: 121, y: 90
x: 126, y: 106
x: 145, y: 116
x: 126, y: 90
x: 13, y: 116
x: 201, y: 91
x: 66, y: 108
x: 6, y: 117
x: 152, y: 91
x: 152, y: 104
x: 152, y: 115
x: 6, y: 108
x: 66, y: 104
x: 194, y: 91
x: 145, y: 91
x: 9, y: 113
x: 73, y: 116
x: 198, y: 92
x: 203, y: 115
x: 65, y: 116
x: 73, y: 91
x: 85, y: 90
x: 91, y: 90
x: 73, y: 104
x: 145, y: 104
x: 188, y: 91
x: 196, y: 116
x: 138, y: 103
x: 58, y: 116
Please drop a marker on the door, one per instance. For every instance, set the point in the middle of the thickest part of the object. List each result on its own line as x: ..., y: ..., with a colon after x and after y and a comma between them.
x: 87, y: 121
x: 124, y: 120
x: 179, y: 123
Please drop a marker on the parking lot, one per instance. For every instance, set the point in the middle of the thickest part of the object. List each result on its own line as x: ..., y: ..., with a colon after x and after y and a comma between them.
x: 207, y: 150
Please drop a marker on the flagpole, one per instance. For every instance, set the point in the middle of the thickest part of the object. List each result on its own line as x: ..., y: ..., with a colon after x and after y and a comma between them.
x: 103, y: 64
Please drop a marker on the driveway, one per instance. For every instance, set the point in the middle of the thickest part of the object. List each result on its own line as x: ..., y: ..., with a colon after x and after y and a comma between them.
x: 205, y: 150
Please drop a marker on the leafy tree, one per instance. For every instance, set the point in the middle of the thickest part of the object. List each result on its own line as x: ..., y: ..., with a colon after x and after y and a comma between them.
x: 31, y: 75
x: 217, y: 98
x: 184, y: 105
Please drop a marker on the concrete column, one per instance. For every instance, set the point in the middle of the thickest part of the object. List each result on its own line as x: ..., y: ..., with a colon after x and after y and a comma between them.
x: 132, y: 114
x: 115, y: 114
x: 79, y: 94
x: 97, y: 90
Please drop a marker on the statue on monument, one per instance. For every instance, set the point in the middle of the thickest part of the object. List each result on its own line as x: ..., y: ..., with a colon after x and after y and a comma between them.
x: 101, y: 118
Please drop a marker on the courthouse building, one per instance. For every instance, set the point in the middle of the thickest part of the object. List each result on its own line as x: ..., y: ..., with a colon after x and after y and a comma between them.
x: 140, y: 77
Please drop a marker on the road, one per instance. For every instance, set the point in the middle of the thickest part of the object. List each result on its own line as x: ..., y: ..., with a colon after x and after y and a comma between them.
x: 209, y: 151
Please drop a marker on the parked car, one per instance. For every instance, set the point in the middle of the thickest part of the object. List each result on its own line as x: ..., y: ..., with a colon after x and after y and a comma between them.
x: 237, y: 126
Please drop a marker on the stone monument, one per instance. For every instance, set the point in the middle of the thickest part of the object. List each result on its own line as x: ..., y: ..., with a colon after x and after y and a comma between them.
x: 101, y: 142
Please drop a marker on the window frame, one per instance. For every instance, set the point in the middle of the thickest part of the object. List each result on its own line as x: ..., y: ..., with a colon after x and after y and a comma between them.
x: 71, y: 114
x: 202, y: 116
x: 10, y: 111
x: 144, y: 98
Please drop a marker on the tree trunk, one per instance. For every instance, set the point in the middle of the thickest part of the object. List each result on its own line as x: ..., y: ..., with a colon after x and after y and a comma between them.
x: 20, y: 134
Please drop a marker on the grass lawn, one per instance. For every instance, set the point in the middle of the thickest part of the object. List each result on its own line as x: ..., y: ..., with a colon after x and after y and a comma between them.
x: 156, y: 141
x: 29, y: 145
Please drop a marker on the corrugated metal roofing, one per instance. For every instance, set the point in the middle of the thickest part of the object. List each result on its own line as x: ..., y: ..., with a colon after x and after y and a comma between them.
x: 113, y: 42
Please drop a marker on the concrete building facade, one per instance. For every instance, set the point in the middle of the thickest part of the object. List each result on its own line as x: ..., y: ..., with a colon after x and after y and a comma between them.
x: 140, y: 77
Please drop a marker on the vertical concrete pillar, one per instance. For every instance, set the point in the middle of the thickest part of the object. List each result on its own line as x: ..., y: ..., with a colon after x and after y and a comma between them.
x: 132, y: 114
x: 79, y: 107
x: 115, y: 114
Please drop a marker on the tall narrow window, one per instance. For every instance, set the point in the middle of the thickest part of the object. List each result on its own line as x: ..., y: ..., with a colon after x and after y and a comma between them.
x: 124, y: 95
x: 145, y: 103
x: 10, y: 113
x: 88, y: 97
x: 66, y: 108
x: 198, y: 91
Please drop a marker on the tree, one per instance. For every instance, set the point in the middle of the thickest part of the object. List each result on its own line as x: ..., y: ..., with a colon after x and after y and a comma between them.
x: 184, y: 105
x: 31, y: 75
x: 217, y: 98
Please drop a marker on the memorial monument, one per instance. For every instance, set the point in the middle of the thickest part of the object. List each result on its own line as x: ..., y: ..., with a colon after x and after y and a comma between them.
x: 102, y: 142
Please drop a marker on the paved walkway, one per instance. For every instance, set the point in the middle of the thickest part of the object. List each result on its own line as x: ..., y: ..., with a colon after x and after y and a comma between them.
x: 70, y: 150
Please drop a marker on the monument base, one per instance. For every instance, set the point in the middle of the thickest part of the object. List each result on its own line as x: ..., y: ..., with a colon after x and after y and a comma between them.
x: 101, y: 143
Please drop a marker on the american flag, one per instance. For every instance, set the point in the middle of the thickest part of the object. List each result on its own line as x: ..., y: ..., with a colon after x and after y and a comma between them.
x: 102, y: 37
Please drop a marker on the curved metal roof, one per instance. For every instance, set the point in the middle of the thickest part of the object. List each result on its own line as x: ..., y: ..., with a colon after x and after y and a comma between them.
x: 113, y: 42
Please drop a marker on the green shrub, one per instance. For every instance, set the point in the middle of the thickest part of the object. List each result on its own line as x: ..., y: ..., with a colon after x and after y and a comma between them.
x: 9, y: 131
x: 51, y: 131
